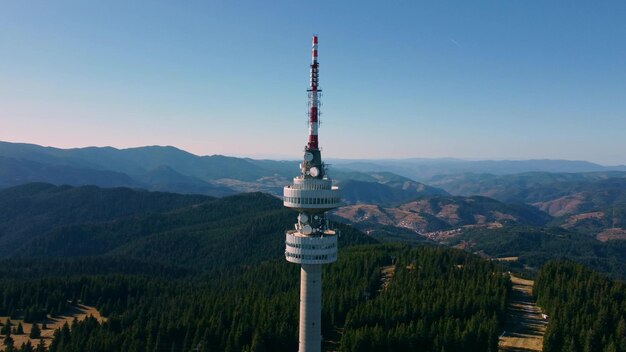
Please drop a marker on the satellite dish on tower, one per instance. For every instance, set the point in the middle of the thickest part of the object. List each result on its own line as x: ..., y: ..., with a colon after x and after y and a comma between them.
x: 308, y: 156
x: 314, y: 171
x: 307, y: 229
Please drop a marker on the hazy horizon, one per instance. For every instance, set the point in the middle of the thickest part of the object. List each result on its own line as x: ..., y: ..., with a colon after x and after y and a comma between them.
x: 297, y: 156
x: 497, y: 80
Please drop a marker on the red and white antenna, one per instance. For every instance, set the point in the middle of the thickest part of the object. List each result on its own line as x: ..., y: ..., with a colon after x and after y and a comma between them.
x: 314, y: 99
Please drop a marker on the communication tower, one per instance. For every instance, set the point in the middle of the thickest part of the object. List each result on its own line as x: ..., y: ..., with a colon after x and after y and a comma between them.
x: 312, y: 243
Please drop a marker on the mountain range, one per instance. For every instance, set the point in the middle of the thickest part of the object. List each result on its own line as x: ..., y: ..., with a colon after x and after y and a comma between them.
x: 591, y: 202
x: 386, y: 182
x: 440, y: 217
x: 170, y: 169
x: 421, y: 169
x: 529, y: 187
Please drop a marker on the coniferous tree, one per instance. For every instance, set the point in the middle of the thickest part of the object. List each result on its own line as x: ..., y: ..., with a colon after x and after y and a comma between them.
x: 20, y: 329
x: 8, y: 341
x: 6, y: 329
x: 27, y: 347
x: 41, y: 346
x: 35, y: 332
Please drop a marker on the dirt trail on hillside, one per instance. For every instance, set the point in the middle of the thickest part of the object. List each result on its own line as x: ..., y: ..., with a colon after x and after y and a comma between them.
x: 386, y: 274
x: 525, y: 325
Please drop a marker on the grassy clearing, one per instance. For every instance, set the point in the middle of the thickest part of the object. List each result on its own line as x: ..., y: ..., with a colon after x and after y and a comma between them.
x: 507, y: 259
x: 525, y: 326
x: 79, y: 312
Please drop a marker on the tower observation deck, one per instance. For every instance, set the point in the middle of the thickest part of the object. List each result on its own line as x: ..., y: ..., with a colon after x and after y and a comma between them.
x: 312, y: 242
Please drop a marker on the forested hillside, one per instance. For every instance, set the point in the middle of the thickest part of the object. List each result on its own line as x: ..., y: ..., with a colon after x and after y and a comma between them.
x: 197, y: 273
x: 29, y: 213
x: 255, y: 307
x: 587, y: 311
x: 534, y: 246
x: 427, y: 306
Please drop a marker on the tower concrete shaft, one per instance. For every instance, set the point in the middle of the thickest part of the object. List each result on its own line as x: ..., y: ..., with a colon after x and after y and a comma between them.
x: 312, y: 242
x: 310, y: 333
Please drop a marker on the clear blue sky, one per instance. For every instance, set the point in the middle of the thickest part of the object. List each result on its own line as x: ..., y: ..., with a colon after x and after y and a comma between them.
x: 470, y: 79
